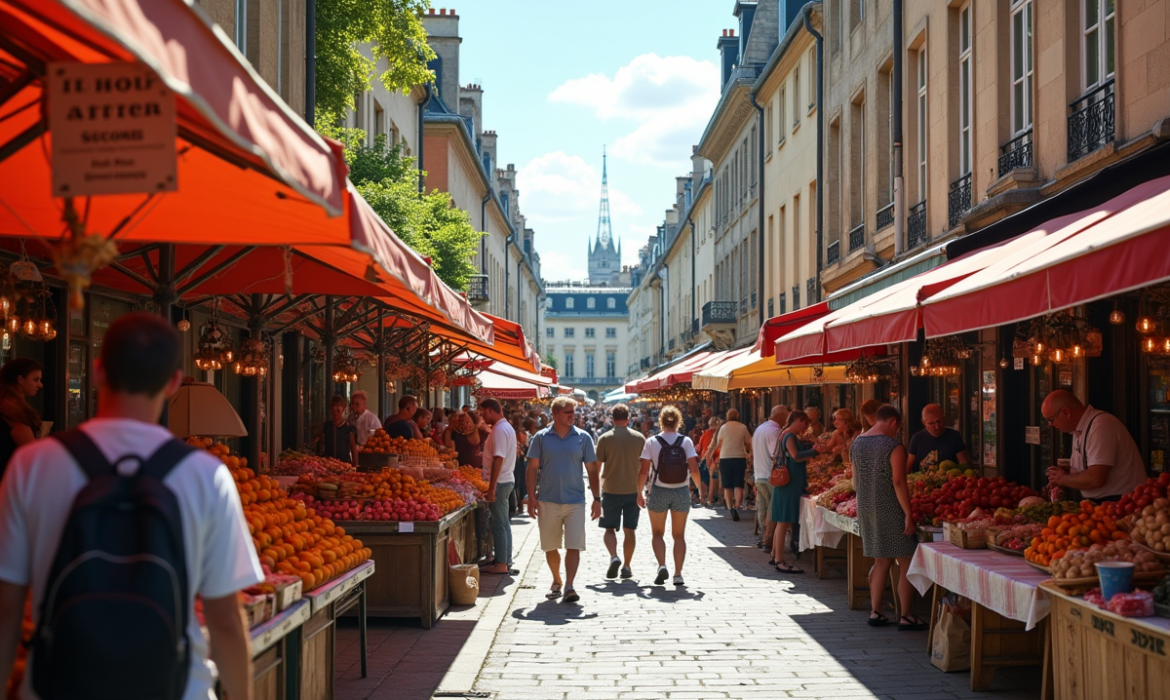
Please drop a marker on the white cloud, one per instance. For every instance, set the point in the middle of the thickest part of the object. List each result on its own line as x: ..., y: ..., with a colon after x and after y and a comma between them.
x: 556, y: 267
x: 670, y: 98
x: 558, y: 188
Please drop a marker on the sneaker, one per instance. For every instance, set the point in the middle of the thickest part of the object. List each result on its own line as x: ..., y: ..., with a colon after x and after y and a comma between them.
x: 678, y: 581
x: 626, y: 573
x: 663, y: 574
x: 735, y: 514
x: 613, y: 567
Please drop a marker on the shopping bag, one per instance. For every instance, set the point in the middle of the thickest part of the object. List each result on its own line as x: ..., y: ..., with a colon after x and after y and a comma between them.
x: 951, y: 645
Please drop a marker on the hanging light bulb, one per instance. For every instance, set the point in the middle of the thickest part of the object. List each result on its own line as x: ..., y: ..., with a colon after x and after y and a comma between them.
x: 1037, y: 360
x: 1149, y: 344
x: 1077, y: 351
x: 1003, y: 364
x: 1057, y: 355
x: 29, y: 328
x: 1166, y: 346
x: 1145, y: 325
x: 5, y: 304
x: 1039, y: 346
x: 184, y: 326
x: 925, y: 361
x: 12, y: 325
x: 1117, y: 316
x: 50, y: 334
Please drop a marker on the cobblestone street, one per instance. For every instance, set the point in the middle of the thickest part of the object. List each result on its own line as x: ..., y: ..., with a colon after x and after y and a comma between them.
x: 736, y: 630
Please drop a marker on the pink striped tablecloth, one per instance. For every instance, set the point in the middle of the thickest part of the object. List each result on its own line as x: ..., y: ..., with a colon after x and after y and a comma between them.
x: 1000, y: 582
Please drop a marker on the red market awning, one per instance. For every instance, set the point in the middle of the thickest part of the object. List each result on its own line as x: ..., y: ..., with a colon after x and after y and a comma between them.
x: 1117, y: 247
x: 503, y: 386
x: 678, y: 373
x: 778, y: 326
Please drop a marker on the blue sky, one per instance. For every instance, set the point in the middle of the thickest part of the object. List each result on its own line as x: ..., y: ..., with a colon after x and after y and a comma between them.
x: 561, y: 79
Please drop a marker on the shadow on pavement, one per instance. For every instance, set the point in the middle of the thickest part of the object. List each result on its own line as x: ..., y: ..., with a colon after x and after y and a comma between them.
x: 555, y: 612
x: 401, y: 655
x: 619, y: 589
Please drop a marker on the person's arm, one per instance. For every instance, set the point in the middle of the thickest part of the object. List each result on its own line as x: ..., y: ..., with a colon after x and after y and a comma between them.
x: 12, y: 599
x: 1092, y: 478
x: 593, y: 469
x: 230, y: 646
x: 530, y: 478
x: 911, y: 460
x: 901, y: 488
x: 797, y: 454
x: 22, y: 434
x: 447, y: 439
x: 643, y: 474
x: 693, y: 466
x: 497, y: 465
x: 474, y: 436
x: 963, y: 457
x: 415, y: 429
x: 747, y: 444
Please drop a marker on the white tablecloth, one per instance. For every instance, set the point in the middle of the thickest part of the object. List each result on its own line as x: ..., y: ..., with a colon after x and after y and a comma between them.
x: 1000, y: 582
x: 820, y: 527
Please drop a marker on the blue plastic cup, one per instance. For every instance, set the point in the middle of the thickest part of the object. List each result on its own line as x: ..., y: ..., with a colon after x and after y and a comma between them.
x: 1116, y: 577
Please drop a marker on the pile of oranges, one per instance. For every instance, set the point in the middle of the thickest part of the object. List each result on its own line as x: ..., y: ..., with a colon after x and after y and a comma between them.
x: 254, y: 489
x: 219, y: 450
x: 474, y: 477
x: 379, y: 443
x: 1092, y: 525
x: 446, y: 499
x: 417, y: 448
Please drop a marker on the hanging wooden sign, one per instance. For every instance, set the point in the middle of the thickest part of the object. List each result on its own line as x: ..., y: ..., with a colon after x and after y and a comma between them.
x: 113, y: 129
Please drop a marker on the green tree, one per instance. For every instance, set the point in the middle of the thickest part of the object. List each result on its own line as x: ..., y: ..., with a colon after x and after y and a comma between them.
x: 430, y: 223
x: 394, y: 31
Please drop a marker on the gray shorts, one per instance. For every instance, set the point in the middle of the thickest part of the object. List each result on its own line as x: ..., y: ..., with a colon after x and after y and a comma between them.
x: 663, y: 499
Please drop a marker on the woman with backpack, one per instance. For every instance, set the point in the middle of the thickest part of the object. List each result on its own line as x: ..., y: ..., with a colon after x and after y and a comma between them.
x: 669, y: 461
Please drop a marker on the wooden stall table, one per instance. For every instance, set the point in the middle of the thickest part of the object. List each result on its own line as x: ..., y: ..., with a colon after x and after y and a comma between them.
x: 276, y: 654
x: 1008, y: 606
x: 1099, y: 655
x: 319, y: 634
x: 411, y: 558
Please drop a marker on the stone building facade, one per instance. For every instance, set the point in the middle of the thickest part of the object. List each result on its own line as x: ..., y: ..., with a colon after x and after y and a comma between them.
x: 586, y: 332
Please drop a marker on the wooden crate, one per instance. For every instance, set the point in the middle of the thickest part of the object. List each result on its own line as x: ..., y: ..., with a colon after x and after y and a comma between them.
x: 965, y: 539
x: 857, y: 567
x: 1098, y: 655
x: 268, y: 674
x: 317, y: 656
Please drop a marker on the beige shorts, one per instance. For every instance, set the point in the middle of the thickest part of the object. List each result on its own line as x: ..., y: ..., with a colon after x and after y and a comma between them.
x: 562, y: 526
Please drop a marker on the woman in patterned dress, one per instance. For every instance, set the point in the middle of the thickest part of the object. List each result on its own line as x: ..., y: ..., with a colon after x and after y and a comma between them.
x: 883, y: 513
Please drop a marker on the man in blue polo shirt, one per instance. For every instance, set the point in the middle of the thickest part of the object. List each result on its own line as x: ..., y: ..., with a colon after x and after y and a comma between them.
x: 556, y: 456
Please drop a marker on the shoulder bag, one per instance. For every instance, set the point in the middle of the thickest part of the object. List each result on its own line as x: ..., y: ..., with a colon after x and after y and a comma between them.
x: 780, y: 475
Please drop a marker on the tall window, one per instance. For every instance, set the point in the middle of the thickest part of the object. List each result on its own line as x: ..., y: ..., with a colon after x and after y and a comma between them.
x: 610, y: 332
x: 1021, y: 66
x: 590, y: 303
x: 589, y: 365
x: 1098, y: 42
x: 890, y: 139
x: 921, y: 119
x: 550, y: 332
x: 965, y: 65
x: 570, y: 364
x: 610, y: 364
x: 796, y: 96
x: 570, y: 332
x: 568, y: 302
x: 611, y: 303
x: 590, y: 332
x: 768, y: 126
x: 752, y: 154
x: 242, y: 26
x: 812, y: 78
x: 783, y: 114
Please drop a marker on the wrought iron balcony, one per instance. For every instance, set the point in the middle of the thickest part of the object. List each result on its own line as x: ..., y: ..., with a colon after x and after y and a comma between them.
x: 833, y: 254
x: 477, y: 289
x: 743, y: 306
x: 717, y: 312
x: 959, y: 200
x: 916, y: 225
x: 857, y: 237
x: 1091, y: 124
x: 885, y: 216
x: 671, y: 345
x: 1016, y: 153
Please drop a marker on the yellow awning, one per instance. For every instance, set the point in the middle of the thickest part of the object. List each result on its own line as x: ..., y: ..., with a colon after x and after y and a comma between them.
x: 745, y: 369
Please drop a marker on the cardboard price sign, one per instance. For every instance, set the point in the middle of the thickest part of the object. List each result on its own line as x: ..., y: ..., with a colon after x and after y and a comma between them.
x: 113, y: 129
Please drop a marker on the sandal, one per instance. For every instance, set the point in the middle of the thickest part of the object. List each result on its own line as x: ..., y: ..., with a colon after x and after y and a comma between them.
x: 879, y: 621
x: 571, y: 596
x: 788, y: 569
x: 912, y: 624
x: 554, y: 592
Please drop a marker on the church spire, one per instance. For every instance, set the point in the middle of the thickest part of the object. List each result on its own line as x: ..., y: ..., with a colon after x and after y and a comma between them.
x: 604, y: 229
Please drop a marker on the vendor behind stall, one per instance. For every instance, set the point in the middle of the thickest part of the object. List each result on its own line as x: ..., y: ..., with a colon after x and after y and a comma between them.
x: 1106, y: 462
x: 935, y: 443
x: 466, y: 438
x: 363, y: 419
x: 402, y: 424
x: 339, y: 435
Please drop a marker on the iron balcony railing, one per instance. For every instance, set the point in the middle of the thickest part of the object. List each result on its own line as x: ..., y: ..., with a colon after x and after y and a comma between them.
x: 587, y: 381
x: 916, y: 225
x: 1016, y: 154
x: 719, y: 312
x: 659, y: 357
x: 833, y: 254
x: 743, y: 306
x: 1091, y: 124
x: 795, y: 297
x: 885, y: 216
x: 645, y: 364
x: 857, y: 237
x: 959, y: 200
x: 477, y: 289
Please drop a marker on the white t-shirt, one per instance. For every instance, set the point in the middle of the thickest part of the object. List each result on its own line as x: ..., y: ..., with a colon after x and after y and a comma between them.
x: 652, y: 448
x: 366, y: 424
x: 501, y: 442
x: 37, y: 494
x: 1109, y: 443
x: 735, y: 436
x: 764, y: 444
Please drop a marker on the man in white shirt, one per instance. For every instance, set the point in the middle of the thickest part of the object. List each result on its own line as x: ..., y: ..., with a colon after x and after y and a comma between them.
x: 1106, y: 462
x: 138, y: 369
x: 764, y: 444
x: 499, y: 466
x: 363, y: 418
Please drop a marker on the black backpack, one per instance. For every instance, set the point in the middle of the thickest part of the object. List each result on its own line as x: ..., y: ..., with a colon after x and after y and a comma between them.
x: 672, y: 461
x: 113, y: 621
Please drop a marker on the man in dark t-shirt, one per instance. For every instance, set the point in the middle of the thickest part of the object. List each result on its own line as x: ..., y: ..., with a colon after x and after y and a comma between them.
x: 935, y: 443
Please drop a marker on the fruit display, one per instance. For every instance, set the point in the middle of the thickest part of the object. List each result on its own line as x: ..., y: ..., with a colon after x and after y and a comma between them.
x: 848, y: 507
x: 1091, y: 525
x: 474, y: 477
x: 1079, y: 563
x: 1145, y: 495
x: 1041, y: 512
x: 1132, y: 604
x: 1151, y: 526
x: 338, y: 489
x: 293, y: 463
x: 837, y: 493
x: 1017, y: 537
x: 392, y: 510
x: 824, y: 471
x: 379, y: 443
x: 960, y: 495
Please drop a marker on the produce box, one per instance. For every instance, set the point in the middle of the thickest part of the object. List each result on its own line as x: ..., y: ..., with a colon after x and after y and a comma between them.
x: 257, y: 608
x: 376, y: 461
x: 288, y: 591
x: 966, y: 539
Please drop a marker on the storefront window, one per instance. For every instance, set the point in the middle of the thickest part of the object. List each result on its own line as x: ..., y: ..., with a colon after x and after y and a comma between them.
x: 1158, y: 370
x: 78, y: 387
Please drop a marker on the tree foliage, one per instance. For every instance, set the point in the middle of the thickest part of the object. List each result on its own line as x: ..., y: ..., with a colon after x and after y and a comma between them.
x: 393, y: 30
x: 429, y: 223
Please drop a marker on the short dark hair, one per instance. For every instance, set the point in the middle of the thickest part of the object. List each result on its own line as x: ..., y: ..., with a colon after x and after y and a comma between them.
x: 337, y: 400
x: 18, y: 367
x: 405, y: 401
x: 621, y: 412
x: 886, y: 412
x: 796, y: 415
x: 491, y: 405
x: 140, y: 353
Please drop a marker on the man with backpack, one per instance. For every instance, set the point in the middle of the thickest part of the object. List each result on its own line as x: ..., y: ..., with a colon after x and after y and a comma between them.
x: 668, y: 460
x: 115, y: 527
